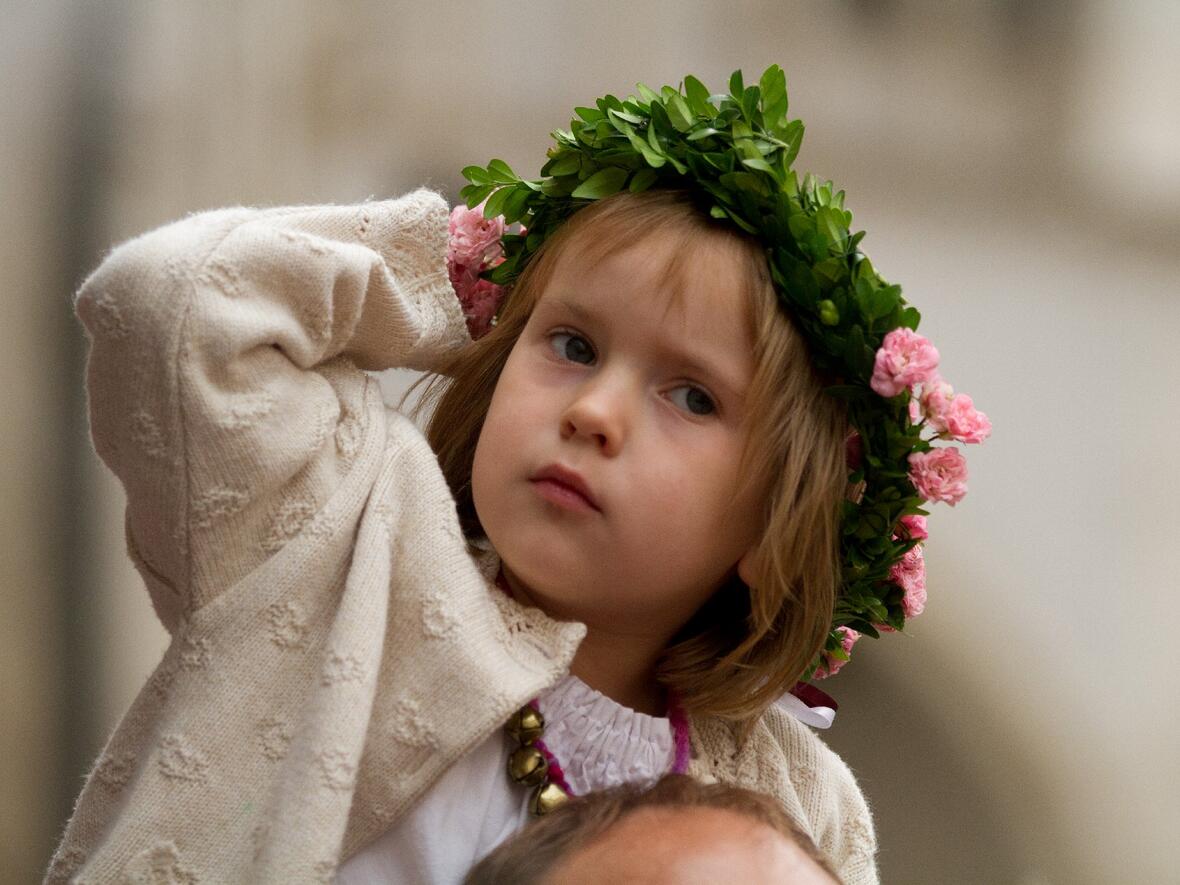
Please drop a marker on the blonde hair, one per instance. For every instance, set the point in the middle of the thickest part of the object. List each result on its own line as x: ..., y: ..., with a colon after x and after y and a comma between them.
x: 746, y: 646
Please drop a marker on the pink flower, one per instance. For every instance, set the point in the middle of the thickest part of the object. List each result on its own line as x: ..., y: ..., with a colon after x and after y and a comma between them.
x: 831, y: 665
x: 914, y: 528
x: 909, y: 573
x: 463, y: 278
x: 905, y: 358
x: 936, y: 400
x: 480, y: 306
x: 953, y: 413
x: 475, y: 240
x: 964, y: 422
x: 475, y: 246
x: 939, y: 475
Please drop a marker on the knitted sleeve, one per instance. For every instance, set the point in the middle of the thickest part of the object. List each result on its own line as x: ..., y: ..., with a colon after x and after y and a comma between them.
x: 224, y: 377
x: 832, y: 802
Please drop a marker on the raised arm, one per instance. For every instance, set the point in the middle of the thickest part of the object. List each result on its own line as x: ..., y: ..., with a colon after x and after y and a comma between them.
x: 224, y: 377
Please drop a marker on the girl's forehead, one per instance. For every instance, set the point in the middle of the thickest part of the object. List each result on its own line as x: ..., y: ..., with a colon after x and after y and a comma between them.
x: 665, y: 251
x: 689, y: 277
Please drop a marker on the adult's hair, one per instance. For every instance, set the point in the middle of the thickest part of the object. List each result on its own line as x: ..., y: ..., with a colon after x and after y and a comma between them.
x: 747, y: 645
x: 530, y: 854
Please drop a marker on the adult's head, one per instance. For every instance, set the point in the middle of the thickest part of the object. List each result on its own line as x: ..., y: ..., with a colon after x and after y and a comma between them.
x: 675, y: 831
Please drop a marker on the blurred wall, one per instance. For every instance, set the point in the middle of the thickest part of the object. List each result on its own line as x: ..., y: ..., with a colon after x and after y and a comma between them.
x: 1015, y: 166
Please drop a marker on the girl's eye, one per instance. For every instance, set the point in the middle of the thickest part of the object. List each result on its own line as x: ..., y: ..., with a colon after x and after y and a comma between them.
x: 694, y: 400
x: 572, y: 347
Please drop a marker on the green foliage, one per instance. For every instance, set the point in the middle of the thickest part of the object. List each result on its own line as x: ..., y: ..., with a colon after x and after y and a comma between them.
x: 738, y: 149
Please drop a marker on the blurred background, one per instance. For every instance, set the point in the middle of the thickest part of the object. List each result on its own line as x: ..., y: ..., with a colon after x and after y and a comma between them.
x: 1016, y: 165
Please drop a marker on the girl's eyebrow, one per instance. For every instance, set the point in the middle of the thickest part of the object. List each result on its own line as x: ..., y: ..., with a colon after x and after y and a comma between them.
x: 559, y: 303
x: 731, y: 386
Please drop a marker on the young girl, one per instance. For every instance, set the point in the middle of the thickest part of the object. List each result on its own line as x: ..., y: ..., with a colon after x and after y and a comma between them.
x: 622, y: 538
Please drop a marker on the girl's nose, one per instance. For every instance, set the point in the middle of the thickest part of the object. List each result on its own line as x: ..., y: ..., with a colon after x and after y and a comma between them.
x: 598, y: 413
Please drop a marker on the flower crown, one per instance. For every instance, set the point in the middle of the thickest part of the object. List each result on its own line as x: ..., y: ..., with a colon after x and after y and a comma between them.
x: 735, y: 150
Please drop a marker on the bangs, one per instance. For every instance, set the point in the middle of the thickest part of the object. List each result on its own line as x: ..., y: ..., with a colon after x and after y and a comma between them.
x: 685, y: 245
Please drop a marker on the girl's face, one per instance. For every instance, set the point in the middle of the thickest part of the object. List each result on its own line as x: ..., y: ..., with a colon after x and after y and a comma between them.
x: 606, y: 472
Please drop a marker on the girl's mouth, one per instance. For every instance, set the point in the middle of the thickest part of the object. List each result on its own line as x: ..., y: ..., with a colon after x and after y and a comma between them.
x: 565, y: 488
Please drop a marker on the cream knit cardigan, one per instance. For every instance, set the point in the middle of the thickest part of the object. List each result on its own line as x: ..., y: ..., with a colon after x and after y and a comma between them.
x: 334, y: 646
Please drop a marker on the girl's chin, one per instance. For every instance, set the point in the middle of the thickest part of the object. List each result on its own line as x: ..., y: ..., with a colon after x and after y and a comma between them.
x: 531, y: 583
x: 538, y: 553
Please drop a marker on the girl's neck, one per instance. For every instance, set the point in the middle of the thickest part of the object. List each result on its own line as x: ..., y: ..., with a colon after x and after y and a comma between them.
x: 612, y: 665
x: 619, y: 664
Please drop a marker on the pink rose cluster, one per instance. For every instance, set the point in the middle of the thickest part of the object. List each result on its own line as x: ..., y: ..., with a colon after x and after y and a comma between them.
x: 474, y: 246
x: 831, y: 665
x: 909, y: 573
x: 951, y: 414
x: 906, y: 361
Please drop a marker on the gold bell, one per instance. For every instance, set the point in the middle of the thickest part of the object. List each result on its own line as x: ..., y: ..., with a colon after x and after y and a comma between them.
x: 546, y: 798
x: 526, y: 725
x: 528, y: 766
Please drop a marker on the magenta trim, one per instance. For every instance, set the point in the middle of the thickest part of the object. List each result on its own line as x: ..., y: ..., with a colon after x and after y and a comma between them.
x: 556, y: 775
x: 680, y: 735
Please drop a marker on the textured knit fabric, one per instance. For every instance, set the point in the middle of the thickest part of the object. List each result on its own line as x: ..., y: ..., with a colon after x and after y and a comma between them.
x: 334, y: 646
x: 475, y: 806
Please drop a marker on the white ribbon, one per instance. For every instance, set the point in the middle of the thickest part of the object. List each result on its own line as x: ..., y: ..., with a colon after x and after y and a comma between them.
x: 816, y: 717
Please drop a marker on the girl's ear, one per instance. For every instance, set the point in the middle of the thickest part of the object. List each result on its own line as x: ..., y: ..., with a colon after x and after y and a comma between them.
x: 746, y: 565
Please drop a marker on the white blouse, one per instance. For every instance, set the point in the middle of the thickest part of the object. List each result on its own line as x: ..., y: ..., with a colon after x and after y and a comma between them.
x: 474, y: 806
